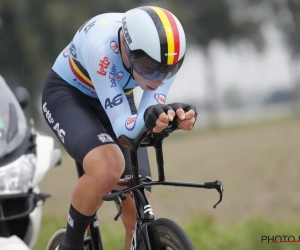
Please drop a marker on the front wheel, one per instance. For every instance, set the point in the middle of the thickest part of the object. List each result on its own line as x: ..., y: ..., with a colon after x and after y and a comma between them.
x: 166, y: 234
x: 56, y: 239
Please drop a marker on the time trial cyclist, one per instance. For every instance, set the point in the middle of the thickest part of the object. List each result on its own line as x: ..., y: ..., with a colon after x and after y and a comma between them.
x: 88, y: 103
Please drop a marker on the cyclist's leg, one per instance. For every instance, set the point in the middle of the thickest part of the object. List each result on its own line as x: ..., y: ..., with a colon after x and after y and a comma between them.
x: 68, y: 112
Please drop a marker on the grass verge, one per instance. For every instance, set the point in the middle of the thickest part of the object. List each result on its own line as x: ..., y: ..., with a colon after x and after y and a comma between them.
x: 205, y: 234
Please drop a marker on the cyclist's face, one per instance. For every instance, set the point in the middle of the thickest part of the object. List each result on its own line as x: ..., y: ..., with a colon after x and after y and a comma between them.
x: 146, y: 84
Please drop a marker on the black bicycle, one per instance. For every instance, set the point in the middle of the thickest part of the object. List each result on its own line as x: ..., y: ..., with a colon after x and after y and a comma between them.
x: 150, y: 233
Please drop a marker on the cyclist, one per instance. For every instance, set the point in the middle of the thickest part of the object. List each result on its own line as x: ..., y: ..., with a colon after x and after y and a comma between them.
x: 88, y: 102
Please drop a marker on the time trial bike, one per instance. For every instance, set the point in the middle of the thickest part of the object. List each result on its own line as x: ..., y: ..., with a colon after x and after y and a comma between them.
x: 150, y: 233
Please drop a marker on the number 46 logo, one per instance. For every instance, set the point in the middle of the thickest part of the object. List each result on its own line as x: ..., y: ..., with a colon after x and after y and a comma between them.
x: 117, y: 100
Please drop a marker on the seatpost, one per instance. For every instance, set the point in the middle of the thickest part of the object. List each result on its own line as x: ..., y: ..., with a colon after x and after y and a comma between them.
x: 133, y: 145
x: 134, y: 164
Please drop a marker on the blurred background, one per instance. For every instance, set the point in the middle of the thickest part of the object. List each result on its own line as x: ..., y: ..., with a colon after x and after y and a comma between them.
x: 241, y: 71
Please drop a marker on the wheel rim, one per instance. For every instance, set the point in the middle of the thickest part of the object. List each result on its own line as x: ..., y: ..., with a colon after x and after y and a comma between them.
x: 167, y: 240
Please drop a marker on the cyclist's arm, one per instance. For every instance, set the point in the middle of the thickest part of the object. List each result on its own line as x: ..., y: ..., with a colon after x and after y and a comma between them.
x: 157, y: 96
x: 113, y: 99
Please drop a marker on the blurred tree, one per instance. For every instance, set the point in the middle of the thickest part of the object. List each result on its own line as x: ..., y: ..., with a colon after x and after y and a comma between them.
x: 233, y: 97
x: 286, y: 16
x: 32, y: 33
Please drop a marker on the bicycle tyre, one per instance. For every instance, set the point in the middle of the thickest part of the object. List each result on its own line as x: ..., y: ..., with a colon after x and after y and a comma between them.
x: 56, y: 238
x: 167, y: 234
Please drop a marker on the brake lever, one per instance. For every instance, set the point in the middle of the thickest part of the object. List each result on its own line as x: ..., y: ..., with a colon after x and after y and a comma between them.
x: 218, y: 186
x: 220, y: 189
x: 118, y: 198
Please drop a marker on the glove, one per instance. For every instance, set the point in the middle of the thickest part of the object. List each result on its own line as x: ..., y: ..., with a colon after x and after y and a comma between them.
x: 152, y: 114
x: 185, y: 107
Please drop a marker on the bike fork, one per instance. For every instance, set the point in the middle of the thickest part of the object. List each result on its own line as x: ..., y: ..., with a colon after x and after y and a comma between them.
x: 145, y: 216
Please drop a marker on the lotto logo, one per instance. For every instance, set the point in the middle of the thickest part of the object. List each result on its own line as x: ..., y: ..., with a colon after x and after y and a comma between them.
x: 47, y: 113
x: 103, y: 66
x: 130, y: 122
x: 160, y: 98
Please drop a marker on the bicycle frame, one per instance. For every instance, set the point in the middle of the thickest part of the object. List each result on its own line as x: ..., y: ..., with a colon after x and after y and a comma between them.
x: 136, y: 186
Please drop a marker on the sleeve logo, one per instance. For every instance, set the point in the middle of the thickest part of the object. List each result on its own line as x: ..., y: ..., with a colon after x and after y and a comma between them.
x: 160, y: 98
x: 130, y: 122
x: 117, y: 100
x: 114, y: 46
x: 103, y: 66
x: 119, y: 75
x: 105, y: 138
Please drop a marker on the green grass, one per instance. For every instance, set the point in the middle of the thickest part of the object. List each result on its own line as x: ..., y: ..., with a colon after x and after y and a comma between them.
x: 204, y: 232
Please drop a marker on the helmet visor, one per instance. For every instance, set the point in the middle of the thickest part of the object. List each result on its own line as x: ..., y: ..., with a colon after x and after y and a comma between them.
x: 150, y: 69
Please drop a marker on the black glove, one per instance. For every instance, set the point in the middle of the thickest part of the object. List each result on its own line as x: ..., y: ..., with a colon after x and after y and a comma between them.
x: 185, y: 107
x: 152, y: 113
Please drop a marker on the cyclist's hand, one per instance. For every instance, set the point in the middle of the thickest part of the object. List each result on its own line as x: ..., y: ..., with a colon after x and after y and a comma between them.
x: 186, y: 114
x: 157, y: 117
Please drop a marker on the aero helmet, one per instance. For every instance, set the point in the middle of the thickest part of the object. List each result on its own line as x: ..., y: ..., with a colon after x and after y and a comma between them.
x: 155, y: 42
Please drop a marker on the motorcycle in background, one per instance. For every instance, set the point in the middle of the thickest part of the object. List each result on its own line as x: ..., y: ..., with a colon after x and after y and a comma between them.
x: 26, y: 155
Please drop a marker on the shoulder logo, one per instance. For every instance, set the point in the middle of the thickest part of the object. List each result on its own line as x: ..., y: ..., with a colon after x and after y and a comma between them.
x: 114, y: 46
x: 160, y: 98
x: 130, y: 122
x: 73, y: 50
x: 66, y: 52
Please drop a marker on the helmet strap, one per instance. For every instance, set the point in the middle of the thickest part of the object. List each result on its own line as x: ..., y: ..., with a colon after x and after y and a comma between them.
x: 131, y: 72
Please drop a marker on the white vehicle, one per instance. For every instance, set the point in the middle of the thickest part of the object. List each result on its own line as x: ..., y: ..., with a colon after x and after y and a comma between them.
x: 26, y: 156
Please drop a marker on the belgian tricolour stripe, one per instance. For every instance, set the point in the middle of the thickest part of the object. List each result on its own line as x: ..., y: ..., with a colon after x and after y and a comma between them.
x: 82, y: 75
x: 168, y: 33
x: 80, y: 72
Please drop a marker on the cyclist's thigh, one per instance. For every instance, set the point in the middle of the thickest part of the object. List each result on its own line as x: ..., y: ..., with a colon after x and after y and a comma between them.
x: 68, y: 113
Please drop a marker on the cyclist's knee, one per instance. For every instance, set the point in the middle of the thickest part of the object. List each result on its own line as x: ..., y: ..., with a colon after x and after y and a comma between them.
x: 105, y: 163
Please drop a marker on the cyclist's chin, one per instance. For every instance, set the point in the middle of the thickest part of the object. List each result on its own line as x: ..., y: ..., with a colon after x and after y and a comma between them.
x: 145, y: 86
